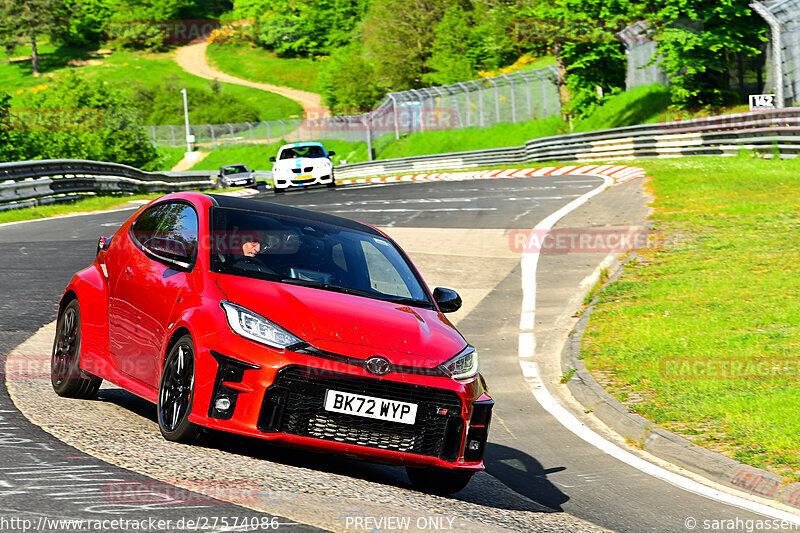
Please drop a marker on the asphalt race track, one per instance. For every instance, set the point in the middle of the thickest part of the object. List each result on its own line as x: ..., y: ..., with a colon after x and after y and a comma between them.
x: 457, y: 233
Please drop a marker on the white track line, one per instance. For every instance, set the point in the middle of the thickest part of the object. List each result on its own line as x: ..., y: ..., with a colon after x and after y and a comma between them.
x: 527, y: 344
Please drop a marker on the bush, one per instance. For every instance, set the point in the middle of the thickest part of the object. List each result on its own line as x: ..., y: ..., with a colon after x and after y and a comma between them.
x: 161, y: 103
x: 76, y: 119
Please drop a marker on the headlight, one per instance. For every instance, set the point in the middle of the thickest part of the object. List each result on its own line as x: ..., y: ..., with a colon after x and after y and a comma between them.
x: 255, y: 327
x: 464, y: 365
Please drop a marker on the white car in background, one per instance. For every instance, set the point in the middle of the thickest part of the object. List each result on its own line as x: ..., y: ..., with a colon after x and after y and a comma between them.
x: 301, y: 165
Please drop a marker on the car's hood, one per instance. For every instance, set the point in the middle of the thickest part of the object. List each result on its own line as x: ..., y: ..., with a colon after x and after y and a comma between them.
x: 347, y: 324
x: 301, y: 162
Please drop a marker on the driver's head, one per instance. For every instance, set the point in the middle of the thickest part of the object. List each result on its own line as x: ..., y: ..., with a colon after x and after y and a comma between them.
x: 251, y: 248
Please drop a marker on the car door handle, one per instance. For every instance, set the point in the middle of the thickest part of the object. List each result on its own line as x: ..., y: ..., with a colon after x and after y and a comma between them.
x: 129, y: 272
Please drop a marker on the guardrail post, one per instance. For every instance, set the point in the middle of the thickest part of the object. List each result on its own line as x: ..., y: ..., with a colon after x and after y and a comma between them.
x: 172, y: 134
x: 267, y: 125
x: 284, y: 128
x: 213, y: 139
x: 251, y: 132
x: 230, y: 128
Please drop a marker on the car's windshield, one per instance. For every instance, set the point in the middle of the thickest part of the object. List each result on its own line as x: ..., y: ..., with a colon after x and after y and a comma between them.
x: 303, y: 151
x: 311, y: 253
x: 235, y: 169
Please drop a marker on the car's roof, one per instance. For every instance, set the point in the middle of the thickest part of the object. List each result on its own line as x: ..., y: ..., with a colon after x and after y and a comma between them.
x: 258, y: 206
x: 235, y: 165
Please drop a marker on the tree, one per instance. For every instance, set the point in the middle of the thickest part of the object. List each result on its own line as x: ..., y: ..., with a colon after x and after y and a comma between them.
x: 78, y: 119
x: 699, y: 40
x: 335, y: 82
x: 588, y: 54
x: 26, y: 21
x: 399, y: 36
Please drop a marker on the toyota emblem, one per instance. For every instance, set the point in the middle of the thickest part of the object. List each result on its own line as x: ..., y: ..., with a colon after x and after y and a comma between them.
x: 377, y: 366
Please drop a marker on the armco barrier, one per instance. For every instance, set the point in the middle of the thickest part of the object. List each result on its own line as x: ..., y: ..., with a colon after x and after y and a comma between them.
x: 763, y: 132
x: 53, y: 180
x: 769, y: 133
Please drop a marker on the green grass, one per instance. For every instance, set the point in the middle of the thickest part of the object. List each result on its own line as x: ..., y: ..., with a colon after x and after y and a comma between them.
x: 642, y: 105
x: 259, y: 65
x: 257, y: 156
x: 692, y: 323
x: 93, y: 203
x: 124, y: 70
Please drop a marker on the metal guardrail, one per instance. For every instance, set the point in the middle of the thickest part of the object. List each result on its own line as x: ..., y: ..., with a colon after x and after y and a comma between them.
x: 52, y: 180
x: 769, y: 133
x: 764, y: 132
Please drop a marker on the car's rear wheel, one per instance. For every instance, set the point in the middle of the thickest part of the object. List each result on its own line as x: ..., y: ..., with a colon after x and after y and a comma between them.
x: 65, y: 371
x: 438, y: 480
x: 176, y: 392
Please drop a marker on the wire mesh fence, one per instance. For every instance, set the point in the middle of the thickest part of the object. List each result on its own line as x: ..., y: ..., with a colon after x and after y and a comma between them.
x: 640, y: 47
x: 788, y: 14
x: 507, y: 98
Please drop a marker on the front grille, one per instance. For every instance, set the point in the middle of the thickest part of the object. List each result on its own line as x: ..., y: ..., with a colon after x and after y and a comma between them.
x: 295, y: 405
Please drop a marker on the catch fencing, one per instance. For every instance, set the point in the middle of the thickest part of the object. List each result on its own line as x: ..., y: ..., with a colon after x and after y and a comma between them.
x: 507, y: 98
x: 787, y: 12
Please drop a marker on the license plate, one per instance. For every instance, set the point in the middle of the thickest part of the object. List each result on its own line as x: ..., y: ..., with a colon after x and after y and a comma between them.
x: 305, y: 177
x: 370, y: 407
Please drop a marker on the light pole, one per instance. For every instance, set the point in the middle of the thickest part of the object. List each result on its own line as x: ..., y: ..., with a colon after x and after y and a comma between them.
x: 186, y: 115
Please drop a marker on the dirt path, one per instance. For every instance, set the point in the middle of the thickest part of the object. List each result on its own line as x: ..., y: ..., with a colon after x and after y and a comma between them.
x: 192, y: 59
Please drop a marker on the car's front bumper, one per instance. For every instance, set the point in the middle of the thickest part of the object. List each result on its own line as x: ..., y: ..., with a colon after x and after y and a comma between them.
x: 287, y: 178
x: 279, y: 395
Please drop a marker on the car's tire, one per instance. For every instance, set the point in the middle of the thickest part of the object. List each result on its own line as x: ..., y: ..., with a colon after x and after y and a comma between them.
x: 332, y: 185
x: 176, y: 393
x: 277, y: 190
x: 438, y: 480
x: 65, y: 371
x: 218, y: 185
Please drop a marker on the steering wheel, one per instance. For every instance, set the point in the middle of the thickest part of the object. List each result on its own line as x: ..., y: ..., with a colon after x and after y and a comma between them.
x: 253, y: 264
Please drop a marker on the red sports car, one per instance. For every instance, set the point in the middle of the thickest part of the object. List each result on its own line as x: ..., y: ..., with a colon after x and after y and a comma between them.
x: 277, y: 323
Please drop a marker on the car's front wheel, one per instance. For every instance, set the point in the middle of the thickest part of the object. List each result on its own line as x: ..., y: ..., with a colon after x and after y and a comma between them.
x: 65, y: 372
x: 176, y: 392
x: 438, y: 480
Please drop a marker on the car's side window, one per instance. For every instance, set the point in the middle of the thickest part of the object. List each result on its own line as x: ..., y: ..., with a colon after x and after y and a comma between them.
x: 168, y: 229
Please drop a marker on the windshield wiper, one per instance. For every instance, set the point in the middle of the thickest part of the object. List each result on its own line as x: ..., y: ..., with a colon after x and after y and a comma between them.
x: 327, y: 287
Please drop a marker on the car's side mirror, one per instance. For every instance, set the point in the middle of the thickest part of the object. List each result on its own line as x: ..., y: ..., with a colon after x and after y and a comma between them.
x: 331, y: 154
x: 272, y: 159
x: 448, y: 300
x: 169, y: 250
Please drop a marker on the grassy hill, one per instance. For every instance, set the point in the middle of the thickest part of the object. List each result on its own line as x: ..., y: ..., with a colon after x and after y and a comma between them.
x: 144, y: 73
